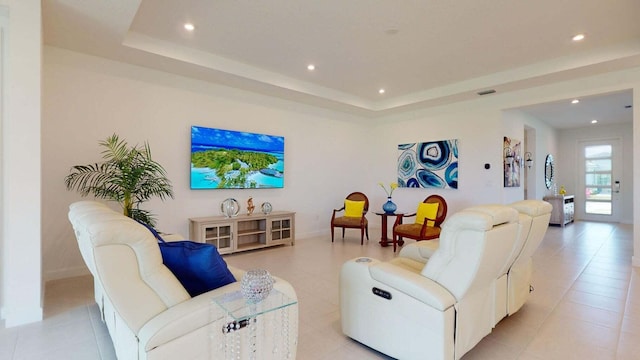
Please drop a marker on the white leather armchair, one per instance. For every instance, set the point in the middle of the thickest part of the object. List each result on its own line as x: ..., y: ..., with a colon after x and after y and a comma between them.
x: 500, y: 285
x: 438, y: 310
x: 514, y: 280
x: 147, y: 311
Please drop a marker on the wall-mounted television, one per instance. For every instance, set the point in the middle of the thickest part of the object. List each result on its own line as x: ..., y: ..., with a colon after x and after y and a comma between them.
x: 226, y: 159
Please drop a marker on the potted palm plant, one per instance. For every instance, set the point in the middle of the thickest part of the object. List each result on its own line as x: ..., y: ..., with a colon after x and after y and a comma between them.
x: 128, y: 175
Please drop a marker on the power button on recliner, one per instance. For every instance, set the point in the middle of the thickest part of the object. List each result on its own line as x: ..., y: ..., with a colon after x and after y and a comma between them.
x: 381, y: 293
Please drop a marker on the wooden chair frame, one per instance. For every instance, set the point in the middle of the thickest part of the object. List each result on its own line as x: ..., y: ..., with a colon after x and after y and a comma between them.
x: 363, y: 224
x: 439, y: 219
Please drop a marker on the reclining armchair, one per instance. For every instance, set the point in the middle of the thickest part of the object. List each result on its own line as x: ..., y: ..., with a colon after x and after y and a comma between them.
x: 441, y: 309
x: 514, y: 280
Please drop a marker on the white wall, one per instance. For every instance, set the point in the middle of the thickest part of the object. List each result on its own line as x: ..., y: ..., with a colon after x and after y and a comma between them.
x: 545, y: 142
x: 513, y: 127
x: 530, y: 175
x: 87, y: 99
x: 636, y: 173
x: 473, y: 132
x: 21, y: 173
x: 328, y: 154
x: 567, y: 164
x: 143, y: 105
x: 480, y: 127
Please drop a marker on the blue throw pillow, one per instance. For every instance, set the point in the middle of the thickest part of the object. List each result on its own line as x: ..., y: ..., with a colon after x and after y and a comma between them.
x: 198, y: 266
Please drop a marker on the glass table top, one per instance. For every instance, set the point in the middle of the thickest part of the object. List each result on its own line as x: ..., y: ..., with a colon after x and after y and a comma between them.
x: 235, y: 305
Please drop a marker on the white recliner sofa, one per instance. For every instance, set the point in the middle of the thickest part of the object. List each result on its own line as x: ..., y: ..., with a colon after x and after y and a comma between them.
x: 520, y: 272
x: 147, y: 311
x: 435, y: 310
x: 514, y: 280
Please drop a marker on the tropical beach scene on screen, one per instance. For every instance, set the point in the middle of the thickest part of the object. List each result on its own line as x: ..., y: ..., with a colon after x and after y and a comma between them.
x: 227, y: 159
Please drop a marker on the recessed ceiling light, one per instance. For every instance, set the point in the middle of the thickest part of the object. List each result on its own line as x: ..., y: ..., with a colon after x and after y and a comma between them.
x: 311, y: 67
x: 189, y: 26
x: 381, y: 91
x: 578, y: 37
x: 575, y: 101
x: 594, y: 121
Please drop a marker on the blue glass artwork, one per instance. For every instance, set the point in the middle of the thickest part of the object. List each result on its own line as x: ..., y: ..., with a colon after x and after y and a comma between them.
x: 432, y: 164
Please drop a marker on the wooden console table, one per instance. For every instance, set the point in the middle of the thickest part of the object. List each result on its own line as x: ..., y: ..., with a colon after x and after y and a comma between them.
x: 244, y: 232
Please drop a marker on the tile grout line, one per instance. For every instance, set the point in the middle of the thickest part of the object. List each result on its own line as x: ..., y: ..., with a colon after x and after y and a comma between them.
x: 565, y: 291
x: 618, y: 329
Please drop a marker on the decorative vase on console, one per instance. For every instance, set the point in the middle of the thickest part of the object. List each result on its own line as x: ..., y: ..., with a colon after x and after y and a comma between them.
x: 389, y: 207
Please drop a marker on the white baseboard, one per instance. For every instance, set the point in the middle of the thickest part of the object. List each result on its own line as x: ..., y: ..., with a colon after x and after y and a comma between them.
x: 66, y: 273
x: 635, y: 261
x: 21, y: 316
x: 301, y: 236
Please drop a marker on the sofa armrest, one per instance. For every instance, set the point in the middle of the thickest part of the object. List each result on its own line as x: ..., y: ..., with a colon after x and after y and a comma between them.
x: 413, y: 284
x: 399, y: 219
x: 180, y: 319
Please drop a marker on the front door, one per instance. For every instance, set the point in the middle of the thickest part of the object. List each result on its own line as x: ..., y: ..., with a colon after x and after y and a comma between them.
x: 599, y: 186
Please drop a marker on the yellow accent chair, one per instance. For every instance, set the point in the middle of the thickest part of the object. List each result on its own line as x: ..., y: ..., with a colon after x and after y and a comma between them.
x: 355, y: 208
x: 429, y: 216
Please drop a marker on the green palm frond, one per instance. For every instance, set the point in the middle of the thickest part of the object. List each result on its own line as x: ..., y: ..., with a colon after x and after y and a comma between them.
x: 128, y: 175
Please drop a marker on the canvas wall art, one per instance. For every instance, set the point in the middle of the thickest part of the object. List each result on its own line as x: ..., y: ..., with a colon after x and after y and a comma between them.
x: 432, y: 164
x: 226, y: 159
x: 512, y: 161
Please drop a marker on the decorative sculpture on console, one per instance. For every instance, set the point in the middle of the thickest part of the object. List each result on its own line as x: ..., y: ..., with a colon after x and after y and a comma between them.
x: 250, y: 206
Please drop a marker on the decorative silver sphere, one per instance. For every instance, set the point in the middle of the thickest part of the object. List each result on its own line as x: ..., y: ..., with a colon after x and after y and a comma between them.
x: 230, y: 207
x: 266, y: 208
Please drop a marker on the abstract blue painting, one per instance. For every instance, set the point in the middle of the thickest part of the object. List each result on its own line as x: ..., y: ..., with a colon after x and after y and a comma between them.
x: 428, y: 164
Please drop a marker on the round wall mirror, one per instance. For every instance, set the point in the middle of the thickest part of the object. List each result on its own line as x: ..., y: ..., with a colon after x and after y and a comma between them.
x: 548, y: 171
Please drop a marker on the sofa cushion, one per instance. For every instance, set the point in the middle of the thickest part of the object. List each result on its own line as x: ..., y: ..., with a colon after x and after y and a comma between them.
x: 353, y: 208
x: 414, y: 230
x: 198, y: 266
x: 353, y: 222
x: 427, y: 211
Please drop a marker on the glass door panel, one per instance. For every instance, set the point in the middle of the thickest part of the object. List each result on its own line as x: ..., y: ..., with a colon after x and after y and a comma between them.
x: 599, y: 159
x: 598, y: 179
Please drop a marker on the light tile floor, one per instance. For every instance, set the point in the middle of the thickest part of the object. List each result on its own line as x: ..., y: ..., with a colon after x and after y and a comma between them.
x: 586, y: 303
